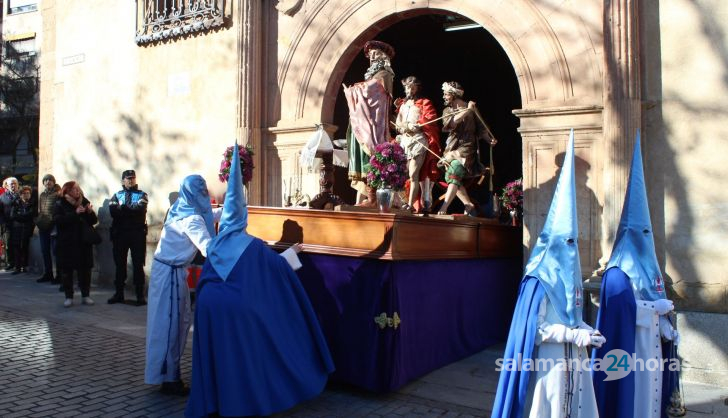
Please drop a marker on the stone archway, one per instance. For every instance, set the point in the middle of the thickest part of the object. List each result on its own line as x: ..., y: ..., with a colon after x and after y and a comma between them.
x: 556, y: 54
x: 555, y: 64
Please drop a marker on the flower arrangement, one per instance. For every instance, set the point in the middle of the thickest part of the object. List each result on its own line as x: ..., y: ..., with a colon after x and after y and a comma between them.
x: 512, y: 196
x: 246, y: 163
x: 387, y: 167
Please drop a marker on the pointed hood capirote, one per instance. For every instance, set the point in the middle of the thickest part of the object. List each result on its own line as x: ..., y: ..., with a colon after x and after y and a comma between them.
x: 634, y: 247
x: 554, y: 260
x: 232, y: 238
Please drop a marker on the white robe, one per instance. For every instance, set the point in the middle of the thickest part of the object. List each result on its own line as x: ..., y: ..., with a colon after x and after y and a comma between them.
x: 648, y: 377
x: 559, y: 391
x: 168, y: 311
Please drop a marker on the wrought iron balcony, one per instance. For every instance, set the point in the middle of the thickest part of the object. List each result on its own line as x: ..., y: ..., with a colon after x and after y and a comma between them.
x: 160, y: 20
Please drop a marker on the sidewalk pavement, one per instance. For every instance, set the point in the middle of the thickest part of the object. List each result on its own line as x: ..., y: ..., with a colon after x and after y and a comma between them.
x: 88, y: 361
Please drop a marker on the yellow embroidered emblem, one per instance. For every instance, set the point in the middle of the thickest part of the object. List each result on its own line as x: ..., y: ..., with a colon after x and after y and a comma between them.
x: 383, y: 321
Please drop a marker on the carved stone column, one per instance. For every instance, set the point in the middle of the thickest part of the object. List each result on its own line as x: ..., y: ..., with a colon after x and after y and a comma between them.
x: 622, y: 110
x: 250, y: 98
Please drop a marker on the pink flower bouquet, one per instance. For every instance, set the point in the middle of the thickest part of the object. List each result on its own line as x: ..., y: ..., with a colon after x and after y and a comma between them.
x: 387, y: 168
x: 246, y: 163
x: 512, y: 196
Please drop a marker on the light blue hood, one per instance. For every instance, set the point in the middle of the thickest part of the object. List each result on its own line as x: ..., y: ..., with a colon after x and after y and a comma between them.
x: 554, y: 260
x: 634, y: 247
x: 225, y: 250
x: 193, y: 199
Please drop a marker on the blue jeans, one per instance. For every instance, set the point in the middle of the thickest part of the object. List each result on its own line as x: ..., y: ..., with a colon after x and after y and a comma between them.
x: 48, y: 249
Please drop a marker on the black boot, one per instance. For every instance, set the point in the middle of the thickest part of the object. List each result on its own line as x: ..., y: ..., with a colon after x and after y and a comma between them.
x: 177, y: 388
x: 140, y: 296
x: 117, y: 298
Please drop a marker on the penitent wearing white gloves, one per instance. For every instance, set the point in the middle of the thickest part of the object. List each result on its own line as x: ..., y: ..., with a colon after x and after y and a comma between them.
x: 582, y: 336
x: 668, y: 332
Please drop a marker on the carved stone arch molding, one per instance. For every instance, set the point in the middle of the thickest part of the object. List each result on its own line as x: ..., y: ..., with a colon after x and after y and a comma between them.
x: 546, y: 54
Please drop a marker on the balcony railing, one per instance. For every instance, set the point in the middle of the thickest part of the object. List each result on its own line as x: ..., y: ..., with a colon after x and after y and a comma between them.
x: 160, y: 20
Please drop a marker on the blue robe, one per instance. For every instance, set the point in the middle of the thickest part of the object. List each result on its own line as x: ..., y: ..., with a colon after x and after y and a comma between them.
x: 617, y: 322
x: 512, y: 390
x: 257, y: 347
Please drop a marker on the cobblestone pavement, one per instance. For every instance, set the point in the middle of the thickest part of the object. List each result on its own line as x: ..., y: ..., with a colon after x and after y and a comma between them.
x: 88, y: 361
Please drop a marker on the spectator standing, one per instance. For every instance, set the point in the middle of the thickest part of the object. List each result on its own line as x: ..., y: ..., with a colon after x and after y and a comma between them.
x: 3, y: 247
x: 72, y: 210
x: 6, y: 201
x: 128, y: 209
x: 22, y: 212
x: 44, y: 221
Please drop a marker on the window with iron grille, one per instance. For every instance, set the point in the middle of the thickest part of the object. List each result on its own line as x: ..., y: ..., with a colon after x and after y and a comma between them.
x: 20, y: 47
x: 159, y: 20
x: 19, y: 58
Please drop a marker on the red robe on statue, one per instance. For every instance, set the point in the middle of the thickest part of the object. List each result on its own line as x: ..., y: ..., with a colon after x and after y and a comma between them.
x: 432, y: 133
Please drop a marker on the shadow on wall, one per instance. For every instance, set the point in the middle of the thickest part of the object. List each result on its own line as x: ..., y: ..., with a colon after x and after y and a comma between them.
x: 588, y: 213
x: 132, y: 146
x: 667, y: 175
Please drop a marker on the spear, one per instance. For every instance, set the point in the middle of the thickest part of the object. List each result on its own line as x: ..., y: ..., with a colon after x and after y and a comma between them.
x: 443, y: 116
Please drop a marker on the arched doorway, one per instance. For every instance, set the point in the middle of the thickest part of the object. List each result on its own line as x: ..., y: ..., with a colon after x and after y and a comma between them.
x: 439, y: 47
x: 556, y: 58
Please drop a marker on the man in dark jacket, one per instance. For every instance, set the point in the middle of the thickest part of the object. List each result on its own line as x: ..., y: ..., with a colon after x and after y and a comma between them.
x: 128, y: 209
x: 44, y: 222
x: 6, y: 203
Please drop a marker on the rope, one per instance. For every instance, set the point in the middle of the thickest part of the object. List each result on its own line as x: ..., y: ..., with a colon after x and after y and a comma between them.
x: 173, y: 288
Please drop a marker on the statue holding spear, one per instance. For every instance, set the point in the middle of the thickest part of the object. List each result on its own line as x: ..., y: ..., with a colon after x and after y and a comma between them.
x: 461, y: 155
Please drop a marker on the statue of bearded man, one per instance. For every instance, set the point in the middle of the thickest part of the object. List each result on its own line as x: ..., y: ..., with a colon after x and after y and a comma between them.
x: 420, y: 138
x: 369, y: 102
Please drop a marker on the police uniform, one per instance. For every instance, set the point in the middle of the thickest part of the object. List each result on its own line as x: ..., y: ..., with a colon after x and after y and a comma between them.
x: 128, y: 209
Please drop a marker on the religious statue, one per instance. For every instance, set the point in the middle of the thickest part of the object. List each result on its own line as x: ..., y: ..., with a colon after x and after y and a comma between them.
x: 369, y: 102
x: 460, y: 157
x: 419, y: 136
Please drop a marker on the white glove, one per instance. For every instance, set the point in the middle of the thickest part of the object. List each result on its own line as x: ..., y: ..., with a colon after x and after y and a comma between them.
x: 582, y: 337
x: 597, y: 339
x: 668, y: 332
x: 555, y: 333
x: 663, y: 306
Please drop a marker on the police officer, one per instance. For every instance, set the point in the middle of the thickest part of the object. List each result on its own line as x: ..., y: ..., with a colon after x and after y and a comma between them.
x: 128, y: 209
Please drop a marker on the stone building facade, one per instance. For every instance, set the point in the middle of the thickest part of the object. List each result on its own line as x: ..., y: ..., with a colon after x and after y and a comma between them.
x: 167, y: 99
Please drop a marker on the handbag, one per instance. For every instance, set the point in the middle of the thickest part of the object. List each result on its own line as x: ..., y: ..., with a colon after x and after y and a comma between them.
x: 89, y: 234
